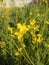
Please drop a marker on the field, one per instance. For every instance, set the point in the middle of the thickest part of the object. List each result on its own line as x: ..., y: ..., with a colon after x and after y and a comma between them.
x: 24, y: 35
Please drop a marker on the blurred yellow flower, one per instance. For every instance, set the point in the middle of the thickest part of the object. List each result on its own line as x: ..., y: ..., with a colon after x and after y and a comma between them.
x: 34, y: 39
x: 17, y: 54
x: 8, y: 10
x: 16, y: 11
x: 20, y: 49
x: 4, y: 3
x: 19, y: 25
x: 47, y: 22
x: 39, y: 35
x: 30, y: 13
x: 20, y: 37
x: 36, y: 27
x: 47, y: 45
x: 22, y: 28
x: 32, y: 21
x: 2, y: 16
x: 38, y: 15
x: 23, y: 45
x: 10, y: 29
x: 16, y: 33
x: 40, y: 38
x: 2, y: 44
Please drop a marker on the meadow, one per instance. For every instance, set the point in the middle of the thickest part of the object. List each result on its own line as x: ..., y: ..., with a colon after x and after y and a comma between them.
x: 24, y: 35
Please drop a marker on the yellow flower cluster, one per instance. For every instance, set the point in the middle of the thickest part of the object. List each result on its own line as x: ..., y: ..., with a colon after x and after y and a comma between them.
x: 18, y: 53
x: 22, y: 30
x: 37, y: 38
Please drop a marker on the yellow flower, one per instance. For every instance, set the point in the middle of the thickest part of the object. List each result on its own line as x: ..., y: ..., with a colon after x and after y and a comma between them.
x: 2, y: 16
x: 23, y: 45
x: 8, y: 10
x: 34, y: 37
x: 4, y: 3
x: 36, y: 27
x: 47, y: 45
x: 32, y: 21
x: 20, y: 37
x: 40, y: 38
x: 39, y: 35
x: 47, y: 22
x: 19, y: 25
x: 16, y: 11
x: 10, y: 29
x: 19, y: 49
x: 16, y: 33
x: 2, y: 44
x: 17, y: 54
x: 38, y: 15
x: 30, y: 13
x: 22, y: 28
